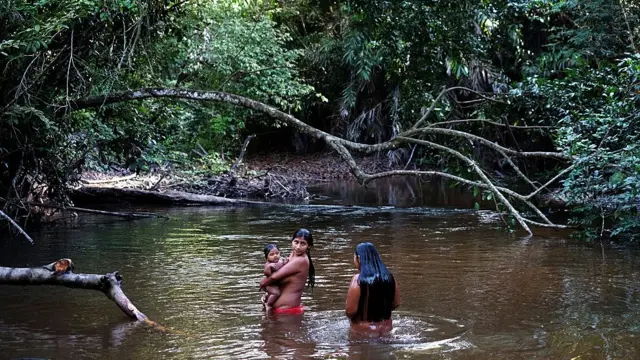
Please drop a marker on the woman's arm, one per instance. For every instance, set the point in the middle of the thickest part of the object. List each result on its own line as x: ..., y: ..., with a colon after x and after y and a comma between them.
x: 396, y: 298
x: 293, y: 267
x: 353, y: 297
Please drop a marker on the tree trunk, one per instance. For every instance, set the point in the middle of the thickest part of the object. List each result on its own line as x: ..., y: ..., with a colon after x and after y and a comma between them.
x: 109, y: 284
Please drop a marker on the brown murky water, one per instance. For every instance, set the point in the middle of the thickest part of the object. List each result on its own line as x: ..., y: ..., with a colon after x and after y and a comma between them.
x: 469, y: 291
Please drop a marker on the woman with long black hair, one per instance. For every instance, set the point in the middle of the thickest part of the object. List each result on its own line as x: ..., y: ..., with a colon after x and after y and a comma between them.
x: 293, y: 276
x: 373, y: 293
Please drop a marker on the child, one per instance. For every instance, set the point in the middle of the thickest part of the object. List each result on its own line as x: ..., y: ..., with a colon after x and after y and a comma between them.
x: 273, y: 264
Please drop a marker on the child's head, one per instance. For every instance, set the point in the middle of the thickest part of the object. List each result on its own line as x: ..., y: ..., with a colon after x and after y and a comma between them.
x: 271, y: 253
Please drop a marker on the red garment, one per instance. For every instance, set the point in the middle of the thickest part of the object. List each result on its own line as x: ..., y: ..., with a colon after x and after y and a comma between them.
x: 298, y: 310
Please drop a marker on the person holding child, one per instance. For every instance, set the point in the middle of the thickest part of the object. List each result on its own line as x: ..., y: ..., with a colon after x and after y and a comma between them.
x: 290, y: 276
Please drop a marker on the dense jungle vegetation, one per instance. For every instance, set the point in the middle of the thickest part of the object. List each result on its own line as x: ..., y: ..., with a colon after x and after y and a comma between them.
x: 535, y: 91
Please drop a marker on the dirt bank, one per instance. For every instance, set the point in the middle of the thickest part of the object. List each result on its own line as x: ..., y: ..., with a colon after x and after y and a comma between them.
x: 266, y: 176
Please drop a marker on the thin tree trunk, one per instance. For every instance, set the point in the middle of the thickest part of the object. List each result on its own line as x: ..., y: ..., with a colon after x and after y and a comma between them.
x: 241, y: 156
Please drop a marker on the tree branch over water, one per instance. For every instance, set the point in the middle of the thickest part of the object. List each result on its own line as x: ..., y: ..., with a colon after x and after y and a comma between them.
x: 344, y: 147
x: 10, y: 220
x: 60, y: 273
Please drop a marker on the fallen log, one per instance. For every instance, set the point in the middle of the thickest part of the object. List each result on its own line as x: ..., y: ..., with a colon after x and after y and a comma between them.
x: 60, y: 273
x: 152, y: 197
x: 106, y: 181
x: 126, y: 215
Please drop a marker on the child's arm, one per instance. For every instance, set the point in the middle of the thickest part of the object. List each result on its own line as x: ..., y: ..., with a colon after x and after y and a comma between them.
x: 268, y: 270
x: 291, y: 268
x: 277, y: 266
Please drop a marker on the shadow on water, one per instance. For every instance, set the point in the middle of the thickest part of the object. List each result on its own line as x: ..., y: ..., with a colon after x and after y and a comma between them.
x: 469, y: 291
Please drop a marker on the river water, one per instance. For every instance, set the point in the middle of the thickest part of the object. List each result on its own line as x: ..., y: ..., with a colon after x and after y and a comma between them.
x: 469, y: 291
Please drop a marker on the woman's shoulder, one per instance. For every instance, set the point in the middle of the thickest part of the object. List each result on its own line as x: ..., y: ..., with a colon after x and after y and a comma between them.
x: 355, y: 280
x: 299, y: 260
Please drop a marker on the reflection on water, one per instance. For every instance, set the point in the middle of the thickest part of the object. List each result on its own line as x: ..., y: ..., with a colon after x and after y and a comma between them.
x: 469, y: 291
x: 400, y: 192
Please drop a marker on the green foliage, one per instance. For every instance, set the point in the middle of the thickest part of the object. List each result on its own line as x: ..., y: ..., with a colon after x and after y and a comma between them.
x: 584, y: 32
x: 377, y: 61
x: 587, y: 85
x: 54, y: 51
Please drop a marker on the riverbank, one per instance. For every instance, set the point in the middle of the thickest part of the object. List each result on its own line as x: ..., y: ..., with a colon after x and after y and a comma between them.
x: 280, y: 176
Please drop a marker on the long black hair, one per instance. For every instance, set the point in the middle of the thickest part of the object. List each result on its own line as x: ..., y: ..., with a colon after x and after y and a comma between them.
x: 306, y: 235
x: 377, y: 285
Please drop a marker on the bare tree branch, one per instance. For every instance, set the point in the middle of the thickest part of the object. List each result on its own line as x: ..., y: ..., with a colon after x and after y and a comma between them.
x: 626, y: 20
x: 410, y: 156
x: 464, y: 121
x: 69, y: 65
x: 482, y: 176
x: 433, y: 105
x: 343, y: 147
x: 10, y: 220
x: 485, y: 142
x: 560, y: 174
x: 555, y: 226
x: 108, y: 284
x: 517, y: 169
x: 364, y: 179
x: 218, y: 96
x: 437, y: 99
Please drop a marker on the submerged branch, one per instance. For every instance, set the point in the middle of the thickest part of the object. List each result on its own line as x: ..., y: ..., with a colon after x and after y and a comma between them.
x: 126, y: 215
x: 154, y: 197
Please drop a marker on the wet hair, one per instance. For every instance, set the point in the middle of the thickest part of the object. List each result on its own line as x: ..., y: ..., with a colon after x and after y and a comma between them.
x: 306, y: 235
x: 268, y: 248
x: 377, y: 285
